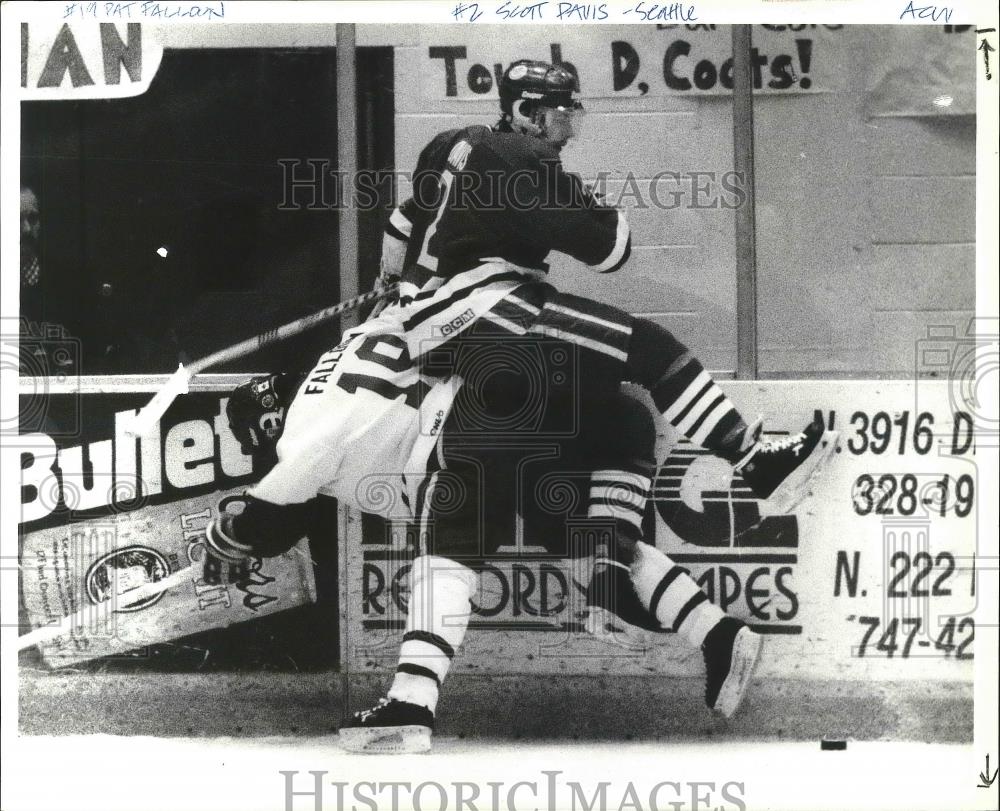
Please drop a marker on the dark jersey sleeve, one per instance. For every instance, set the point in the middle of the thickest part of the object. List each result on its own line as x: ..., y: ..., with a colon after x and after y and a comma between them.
x: 551, y: 208
x: 579, y: 224
x: 479, y: 195
x: 395, y: 242
x: 408, y: 213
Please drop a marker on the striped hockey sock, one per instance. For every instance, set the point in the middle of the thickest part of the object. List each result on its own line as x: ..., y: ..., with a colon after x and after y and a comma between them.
x: 625, y: 462
x: 695, y: 405
x: 684, y: 393
x: 619, y: 497
x: 439, y: 610
x: 672, y: 596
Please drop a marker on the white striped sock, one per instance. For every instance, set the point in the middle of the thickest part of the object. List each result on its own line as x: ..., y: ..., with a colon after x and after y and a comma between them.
x: 672, y: 596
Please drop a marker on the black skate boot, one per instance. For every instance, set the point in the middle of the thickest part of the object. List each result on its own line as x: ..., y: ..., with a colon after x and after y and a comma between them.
x: 614, y: 612
x: 781, y: 470
x: 390, y: 727
x: 730, y: 650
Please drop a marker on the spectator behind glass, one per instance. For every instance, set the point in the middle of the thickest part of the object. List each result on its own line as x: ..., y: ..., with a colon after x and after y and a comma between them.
x: 46, y: 349
x: 32, y: 299
x: 40, y: 332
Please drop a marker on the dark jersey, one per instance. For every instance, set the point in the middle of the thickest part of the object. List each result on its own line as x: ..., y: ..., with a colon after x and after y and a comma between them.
x: 487, y: 208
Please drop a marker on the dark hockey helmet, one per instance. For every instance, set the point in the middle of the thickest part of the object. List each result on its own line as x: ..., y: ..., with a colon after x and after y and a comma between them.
x: 539, y: 83
x: 256, y: 411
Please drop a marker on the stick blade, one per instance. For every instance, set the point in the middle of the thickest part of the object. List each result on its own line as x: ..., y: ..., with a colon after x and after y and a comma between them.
x: 48, y: 633
x: 150, y: 414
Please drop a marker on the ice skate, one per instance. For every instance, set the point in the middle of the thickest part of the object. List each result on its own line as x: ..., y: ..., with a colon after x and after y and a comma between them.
x: 731, y: 650
x: 781, y: 470
x: 614, y: 612
x: 390, y: 727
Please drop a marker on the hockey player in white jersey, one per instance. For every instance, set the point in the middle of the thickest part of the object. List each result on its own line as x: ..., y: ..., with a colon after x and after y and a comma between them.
x: 363, y: 410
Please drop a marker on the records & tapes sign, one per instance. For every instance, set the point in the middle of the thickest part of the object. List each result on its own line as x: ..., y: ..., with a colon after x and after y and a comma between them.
x: 873, y: 577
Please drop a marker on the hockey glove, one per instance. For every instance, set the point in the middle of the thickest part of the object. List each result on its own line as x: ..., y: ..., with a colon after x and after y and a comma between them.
x: 390, y: 272
x: 228, y: 560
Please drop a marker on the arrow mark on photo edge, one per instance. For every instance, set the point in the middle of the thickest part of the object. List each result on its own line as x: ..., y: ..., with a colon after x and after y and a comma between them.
x: 985, y: 47
x: 985, y: 777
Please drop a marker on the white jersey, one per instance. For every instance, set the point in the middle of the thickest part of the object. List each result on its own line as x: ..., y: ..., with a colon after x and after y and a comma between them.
x: 361, y: 426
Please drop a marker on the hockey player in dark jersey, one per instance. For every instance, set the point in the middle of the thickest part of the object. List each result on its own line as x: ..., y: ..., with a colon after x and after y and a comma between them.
x: 469, y: 250
x: 470, y: 245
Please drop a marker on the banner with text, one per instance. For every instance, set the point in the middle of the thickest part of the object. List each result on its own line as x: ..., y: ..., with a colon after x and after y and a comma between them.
x: 87, y: 60
x: 872, y: 577
x: 103, y: 512
x: 630, y: 61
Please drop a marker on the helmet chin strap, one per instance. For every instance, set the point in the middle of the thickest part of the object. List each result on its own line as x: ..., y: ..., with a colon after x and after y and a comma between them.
x: 527, y: 125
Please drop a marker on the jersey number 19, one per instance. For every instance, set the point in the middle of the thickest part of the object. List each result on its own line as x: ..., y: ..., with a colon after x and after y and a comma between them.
x: 398, y: 361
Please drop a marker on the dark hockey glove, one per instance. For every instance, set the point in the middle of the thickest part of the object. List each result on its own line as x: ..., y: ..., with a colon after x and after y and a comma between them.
x: 228, y: 560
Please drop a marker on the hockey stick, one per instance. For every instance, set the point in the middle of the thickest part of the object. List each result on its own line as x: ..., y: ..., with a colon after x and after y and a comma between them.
x: 47, y: 633
x: 178, y: 382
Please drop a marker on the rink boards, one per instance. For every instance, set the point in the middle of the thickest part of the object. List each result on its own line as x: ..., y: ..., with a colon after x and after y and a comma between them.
x: 873, y: 577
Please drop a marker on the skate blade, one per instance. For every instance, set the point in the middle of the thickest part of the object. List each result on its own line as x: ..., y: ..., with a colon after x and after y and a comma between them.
x: 397, y: 740
x: 794, y: 489
x: 606, y: 626
x: 746, y: 652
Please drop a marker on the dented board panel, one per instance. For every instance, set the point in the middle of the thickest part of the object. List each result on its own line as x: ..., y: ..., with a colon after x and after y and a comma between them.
x: 870, y: 578
x: 103, y: 512
x: 96, y: 561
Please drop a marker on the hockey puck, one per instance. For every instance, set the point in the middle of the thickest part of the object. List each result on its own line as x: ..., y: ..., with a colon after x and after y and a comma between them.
x: 832, y: 746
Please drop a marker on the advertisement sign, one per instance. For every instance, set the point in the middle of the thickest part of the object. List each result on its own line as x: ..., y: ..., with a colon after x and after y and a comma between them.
x: 95, y: 562
x: 913, y: 70
x: 630, y: 61
x: 103, y: 512
x: 87, y: 60
x: 872, y: 577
